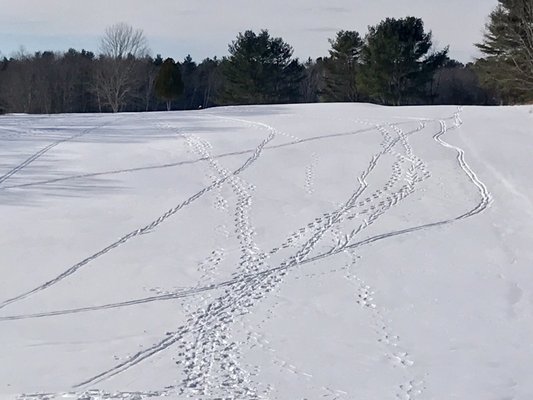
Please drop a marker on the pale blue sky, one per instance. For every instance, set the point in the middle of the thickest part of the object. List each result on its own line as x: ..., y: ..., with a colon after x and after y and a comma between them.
x: 204, y: 28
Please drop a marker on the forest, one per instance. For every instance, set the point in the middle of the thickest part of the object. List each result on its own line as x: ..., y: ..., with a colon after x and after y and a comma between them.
x: 394, y: 63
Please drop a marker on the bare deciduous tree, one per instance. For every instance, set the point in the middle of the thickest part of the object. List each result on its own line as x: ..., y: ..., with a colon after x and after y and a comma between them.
x: 122, y: 40
x: 117, y: 73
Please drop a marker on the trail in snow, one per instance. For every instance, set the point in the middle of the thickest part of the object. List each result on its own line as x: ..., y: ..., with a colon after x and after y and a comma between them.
x: 147, y: 228
x: 209, y: 356
x: 185, y: 162
x: 242, y: 294
x: 43, y: 151
x: 486, y: 197
x: 484, y: 203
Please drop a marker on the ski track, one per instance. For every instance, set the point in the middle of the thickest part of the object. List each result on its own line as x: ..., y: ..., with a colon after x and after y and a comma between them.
x: 206, y: 336
x: 16, y: 133
x: 486, y: 200
x: 185, y: 162
x: 205, y: 341
x: 43, y: 151
x: 248, y: 260
x: 486, y: 197
x: 239, y: 297
x: 146, y: 229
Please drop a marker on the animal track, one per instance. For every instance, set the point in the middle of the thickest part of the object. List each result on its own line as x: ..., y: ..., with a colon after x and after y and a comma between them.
x: 410, y: 390
x: 210, y: 348
x: 310, y: 171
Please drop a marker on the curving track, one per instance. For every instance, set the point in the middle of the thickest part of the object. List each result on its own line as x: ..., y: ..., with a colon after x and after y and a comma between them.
x: 242, y: 275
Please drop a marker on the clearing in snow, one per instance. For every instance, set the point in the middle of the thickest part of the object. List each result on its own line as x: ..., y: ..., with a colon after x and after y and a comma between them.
x: 325, y: 251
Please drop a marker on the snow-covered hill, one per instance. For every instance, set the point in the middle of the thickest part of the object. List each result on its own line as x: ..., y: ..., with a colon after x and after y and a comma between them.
x: 332, y: 251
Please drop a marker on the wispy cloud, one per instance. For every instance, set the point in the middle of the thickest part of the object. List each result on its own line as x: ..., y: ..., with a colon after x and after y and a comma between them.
x: 205, y: 27
x: 340, y: 10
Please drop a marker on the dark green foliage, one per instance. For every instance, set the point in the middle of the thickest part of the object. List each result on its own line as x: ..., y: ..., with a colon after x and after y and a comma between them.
x: 189, y: 73
x: 342, y: 66
x: 158, y: 60
x: 77, y: 81
x: 397, y: 62
x: 393, y: 65
x: 260, y: 70
x: 168, y: 83
x: 508, y: 48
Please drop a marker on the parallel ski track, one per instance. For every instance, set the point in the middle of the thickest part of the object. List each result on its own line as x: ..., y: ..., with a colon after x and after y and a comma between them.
x: 97, y: 395
x: 147, y: 228
x: 13, y: 134
x: 486, y: 197
x: 257, y: 278
x: 485, y: 202
x: 239, y: 297
x: 205, y: 341
x: 43, y: 151
x: 185, y: 162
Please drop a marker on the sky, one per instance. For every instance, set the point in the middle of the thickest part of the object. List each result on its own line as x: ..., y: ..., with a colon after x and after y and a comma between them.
x: 204, y: 28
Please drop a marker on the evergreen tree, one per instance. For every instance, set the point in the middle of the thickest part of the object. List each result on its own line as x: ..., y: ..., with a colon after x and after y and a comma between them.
x: 260, y: 69
x: 158, y: 60
x: 342, y: 66
x: 168, y: 83
x: 77, y: 81
x: 190, y: 99
x: 397, y: 63
x: 508, y: 49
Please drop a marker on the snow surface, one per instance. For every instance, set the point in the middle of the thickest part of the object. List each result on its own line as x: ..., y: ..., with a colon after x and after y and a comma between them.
x: 331, y: 251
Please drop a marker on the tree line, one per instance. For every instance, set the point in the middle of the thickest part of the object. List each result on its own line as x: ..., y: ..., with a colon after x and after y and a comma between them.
x: 394, y: 63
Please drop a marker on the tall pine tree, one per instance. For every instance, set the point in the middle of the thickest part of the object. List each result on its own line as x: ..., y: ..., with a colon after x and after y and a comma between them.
x: 260, y: 70
x: 397, y: 62
x: 342, y: 66
x: 508, y: 48
x: 168, y: 84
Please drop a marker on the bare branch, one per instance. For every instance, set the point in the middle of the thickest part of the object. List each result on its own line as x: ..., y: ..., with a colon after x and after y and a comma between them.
x: 122, y: 40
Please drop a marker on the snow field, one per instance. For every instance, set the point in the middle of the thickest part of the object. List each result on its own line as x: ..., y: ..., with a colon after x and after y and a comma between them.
x: 326, y: 251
